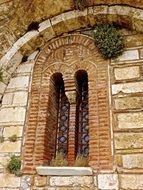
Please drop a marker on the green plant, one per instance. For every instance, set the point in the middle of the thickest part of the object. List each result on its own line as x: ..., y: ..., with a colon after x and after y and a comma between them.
x: 1, y: 139
x: 13, y: 138
x: 80, y: 4
x: 109, y: 40
x: 81, y: 161
x: 1, y: 75
x: 14, y: 165
x: 59, y: 160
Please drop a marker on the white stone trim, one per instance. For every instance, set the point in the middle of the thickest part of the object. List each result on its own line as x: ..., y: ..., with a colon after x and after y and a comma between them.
x: 64, y: 171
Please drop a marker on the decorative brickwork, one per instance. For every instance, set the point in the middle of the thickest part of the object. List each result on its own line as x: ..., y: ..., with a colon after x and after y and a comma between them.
x: 67, y: 55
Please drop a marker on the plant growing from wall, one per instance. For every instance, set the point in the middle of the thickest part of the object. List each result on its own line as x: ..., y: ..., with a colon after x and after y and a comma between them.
x: 80, y: 4
x: 14, y: 165
x: 109, y: 40
x: 59, y: 160
x: 13, y: 138
x: 81, y: 161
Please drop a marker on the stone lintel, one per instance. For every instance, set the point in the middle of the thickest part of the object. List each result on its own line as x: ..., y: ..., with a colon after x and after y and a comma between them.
x: 64, y: 171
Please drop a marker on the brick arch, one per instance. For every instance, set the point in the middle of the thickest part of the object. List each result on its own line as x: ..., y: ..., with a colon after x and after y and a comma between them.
x: 124, y: 15
x: 67, y: 55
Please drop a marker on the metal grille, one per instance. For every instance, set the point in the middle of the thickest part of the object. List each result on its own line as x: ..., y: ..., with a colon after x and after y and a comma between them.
x: 83, y: 137
x: 63, y: 123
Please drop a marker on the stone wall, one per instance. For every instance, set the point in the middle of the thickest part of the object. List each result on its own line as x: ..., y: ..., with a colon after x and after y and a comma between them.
x: 126, y: 90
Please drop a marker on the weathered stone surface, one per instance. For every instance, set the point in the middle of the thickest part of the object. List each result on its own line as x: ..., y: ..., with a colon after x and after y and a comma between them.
x: 20, y: 98
x: 71, y: 181
x: 108, y: 181
x: 131, y: 161
x: 2, y: 87
x: 7, y: 99
x: 134, y: 40
x: 127, y: 73
x: 40, y: 181
x: 130, y: 120
x: 12, y: 115
x: 4, y: 160
x: 64, y: 171
x: 11, y: 147
x: 10, y: 181
x: 24, y: 68
x: 128, y: 140
x: 129, y: 55
x: 13, y: 63
x: 33, y: 56
x: 131, y: 87
x: 9, y: 131
x: 128, y: 103
x: 26, y: 182
x: 19, y: 82
x: 131, y: 181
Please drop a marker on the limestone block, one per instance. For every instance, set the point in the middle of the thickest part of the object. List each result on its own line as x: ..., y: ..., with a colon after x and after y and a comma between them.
x: 129, y: 55
x: 40, y: 181
x: 13, y: 130
x: 4, y: 160
x: 7, y: 180
x: 20, y: 98
x: 71, y: 181
x: 28, y: 36
x: 13, y: 63
x: 108, y: 181
x: 2, y: 87
x: 44, y: 25
x: 26, y: 182
x: 127, y: 73
x: 19, y: 82
x: 13, y: 116
x: 131, y: 181
x: 10, y: 147
x: 64, y: 171
x: 130, y: 120
x: 128, y: 103
x: 24, y: 68
x: 7, y: 99
x: 33, y: 56
x: 128, y: 140
x: 131, y: 161
x: 131, y: 87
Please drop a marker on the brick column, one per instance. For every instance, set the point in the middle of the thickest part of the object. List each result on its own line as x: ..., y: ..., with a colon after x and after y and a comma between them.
x: 70, y: 91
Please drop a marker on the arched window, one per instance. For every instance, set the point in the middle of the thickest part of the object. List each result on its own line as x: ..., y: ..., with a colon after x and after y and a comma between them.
x: 58, y: 120
x: 63, y: 121
x: 64, y: 108
x: 82, y: 114
x: 60, y: 112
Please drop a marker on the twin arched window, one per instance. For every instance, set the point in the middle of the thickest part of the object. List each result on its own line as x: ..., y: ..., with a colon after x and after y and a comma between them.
x: 60, y: 117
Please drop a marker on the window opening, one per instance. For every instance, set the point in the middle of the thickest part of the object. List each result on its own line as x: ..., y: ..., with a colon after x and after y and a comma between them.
x: 82, y: 116
x: 63, y: 122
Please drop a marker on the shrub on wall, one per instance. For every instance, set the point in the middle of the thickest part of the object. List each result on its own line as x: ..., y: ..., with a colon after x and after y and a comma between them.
x: 59, y: 160
x: 81, y: 161
x: 109, y: 40
x: 14, y: 165
x: 13, y: 138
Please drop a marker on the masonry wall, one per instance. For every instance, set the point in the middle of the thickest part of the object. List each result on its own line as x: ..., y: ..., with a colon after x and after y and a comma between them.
x: 126, y: 120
